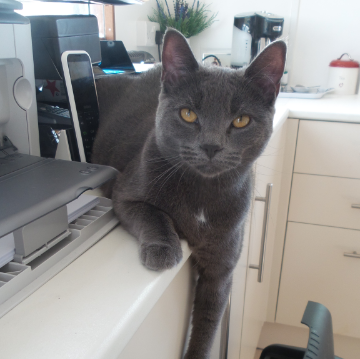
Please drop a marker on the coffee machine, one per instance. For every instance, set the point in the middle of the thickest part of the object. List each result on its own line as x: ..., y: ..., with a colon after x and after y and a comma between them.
x: 253, y: 31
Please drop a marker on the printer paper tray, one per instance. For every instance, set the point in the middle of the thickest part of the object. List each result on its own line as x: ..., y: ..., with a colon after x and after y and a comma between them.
x: 18, y: 281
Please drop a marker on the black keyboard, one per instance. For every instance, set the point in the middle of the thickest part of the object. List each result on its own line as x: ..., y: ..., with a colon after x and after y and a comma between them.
x: 60, y: 118
x: 53, y: 115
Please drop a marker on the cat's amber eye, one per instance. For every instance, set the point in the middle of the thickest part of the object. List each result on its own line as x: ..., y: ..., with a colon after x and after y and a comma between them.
x: 241, y: 121
x: 188, y: 115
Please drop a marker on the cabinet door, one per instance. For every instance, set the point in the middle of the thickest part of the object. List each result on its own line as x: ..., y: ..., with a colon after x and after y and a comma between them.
x: 328, y: 201
x: 315, y: 268
x: 328, y: 149
x: 268, y: 171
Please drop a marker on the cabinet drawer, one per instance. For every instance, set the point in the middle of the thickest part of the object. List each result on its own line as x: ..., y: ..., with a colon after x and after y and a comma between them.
x: 325, y: 200
x: 328, y: 148
x: 315, y: 268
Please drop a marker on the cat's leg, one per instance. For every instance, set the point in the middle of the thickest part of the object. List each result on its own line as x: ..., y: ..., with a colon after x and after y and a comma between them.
x: 211, y: 297
x: 160, y: 246
x: 210, y: 301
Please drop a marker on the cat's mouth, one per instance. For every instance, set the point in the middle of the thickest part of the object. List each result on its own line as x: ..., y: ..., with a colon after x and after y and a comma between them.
x: 208, y: 169
x: 211, y: 169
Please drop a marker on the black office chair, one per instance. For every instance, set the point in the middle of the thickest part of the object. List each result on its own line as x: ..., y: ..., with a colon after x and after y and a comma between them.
x: 320, y: 344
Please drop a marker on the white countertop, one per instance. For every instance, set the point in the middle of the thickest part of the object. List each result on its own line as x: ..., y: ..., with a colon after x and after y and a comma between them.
x: 328, y: 108
x: 90, y: 309
x: 93, y: 307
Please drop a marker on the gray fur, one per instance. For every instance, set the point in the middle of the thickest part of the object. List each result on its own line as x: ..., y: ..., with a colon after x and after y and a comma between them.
x: 168, y: 186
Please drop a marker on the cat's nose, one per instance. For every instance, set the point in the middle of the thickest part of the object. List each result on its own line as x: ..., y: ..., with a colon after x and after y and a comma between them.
x: 211, y: 150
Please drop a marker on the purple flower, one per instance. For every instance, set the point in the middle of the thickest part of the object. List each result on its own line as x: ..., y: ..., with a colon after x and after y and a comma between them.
x: 167, y: 8
x: 160, y: 9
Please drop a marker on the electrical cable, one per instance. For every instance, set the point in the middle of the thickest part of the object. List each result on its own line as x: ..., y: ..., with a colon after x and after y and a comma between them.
x: 159, y: 52
x: 158, y: 41
x: 215, y: 57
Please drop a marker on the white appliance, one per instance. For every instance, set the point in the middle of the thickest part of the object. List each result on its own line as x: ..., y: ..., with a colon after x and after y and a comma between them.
x: 241, y: 53
x: 18, y: 115
x: 343, y: 75
x: 253, y: 31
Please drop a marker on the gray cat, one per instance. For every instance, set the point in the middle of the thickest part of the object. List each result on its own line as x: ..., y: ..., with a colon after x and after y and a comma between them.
x: 184, y: 138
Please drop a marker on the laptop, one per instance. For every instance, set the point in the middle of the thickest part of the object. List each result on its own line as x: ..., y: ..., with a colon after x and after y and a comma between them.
x: 115, y: 58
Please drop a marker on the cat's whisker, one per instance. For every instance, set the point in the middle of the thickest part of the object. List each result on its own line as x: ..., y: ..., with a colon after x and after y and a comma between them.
x: 269, y: 155
x: 175, y: 169
x: 159, y: 164
x: 272, y: 169
x: 177, y: 188
x: 189, y: 158
x: 230, y: 163
x: 162, y: 159
x: 156, y: 179
x: 112, y: 148
x: 158, y: 167
x: 258, y: 192
x: 189, y: 153
x: 234, y: 177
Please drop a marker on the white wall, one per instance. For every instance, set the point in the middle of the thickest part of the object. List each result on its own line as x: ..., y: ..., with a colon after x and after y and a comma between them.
x: 125, y: 24
x: 326, y: 29
x: 318, y: 31
x: 219, y: 36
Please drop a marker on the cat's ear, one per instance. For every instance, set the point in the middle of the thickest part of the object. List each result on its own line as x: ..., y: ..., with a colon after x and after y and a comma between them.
x: 267, y: 69
x: 177, y: 58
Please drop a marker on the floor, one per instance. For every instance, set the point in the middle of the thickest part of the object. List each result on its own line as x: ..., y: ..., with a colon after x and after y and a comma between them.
x: 257, y: 354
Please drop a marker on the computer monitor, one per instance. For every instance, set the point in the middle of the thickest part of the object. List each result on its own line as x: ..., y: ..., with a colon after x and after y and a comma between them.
x: 115, y: 58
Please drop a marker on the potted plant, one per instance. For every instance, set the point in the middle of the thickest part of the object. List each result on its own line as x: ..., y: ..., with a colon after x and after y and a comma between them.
x: 189, y: 20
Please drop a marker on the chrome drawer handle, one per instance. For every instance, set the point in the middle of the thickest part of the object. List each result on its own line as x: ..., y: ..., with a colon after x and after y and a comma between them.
x: 267, y: 200
x: 352, y: 254
x: 355, y: 206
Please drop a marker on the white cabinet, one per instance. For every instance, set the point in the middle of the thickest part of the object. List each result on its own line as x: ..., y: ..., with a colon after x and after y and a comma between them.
x: 162, y: 334
x: 323, y: 225
x: 326, y: 201
x: 316, y: 269
x: 328, y: 149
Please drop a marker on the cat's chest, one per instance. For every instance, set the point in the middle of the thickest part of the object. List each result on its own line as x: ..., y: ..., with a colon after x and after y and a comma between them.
x: 203, y: 212
x: 198, y: 207
x: 200, y: 217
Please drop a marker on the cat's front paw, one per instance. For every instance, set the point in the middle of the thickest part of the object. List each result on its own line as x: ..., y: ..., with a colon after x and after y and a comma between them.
x: 160, y: 256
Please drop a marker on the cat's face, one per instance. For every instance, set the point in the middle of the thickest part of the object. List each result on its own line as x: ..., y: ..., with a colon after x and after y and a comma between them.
x: 220, y: 138
x: 213, y: 120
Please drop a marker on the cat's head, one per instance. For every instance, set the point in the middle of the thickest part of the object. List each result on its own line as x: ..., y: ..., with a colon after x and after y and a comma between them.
x: 214, y: 119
